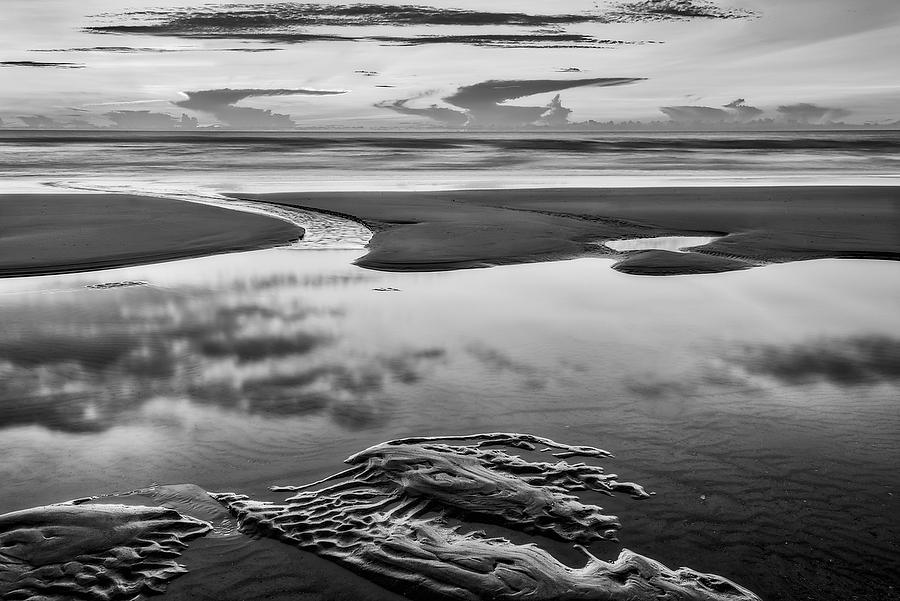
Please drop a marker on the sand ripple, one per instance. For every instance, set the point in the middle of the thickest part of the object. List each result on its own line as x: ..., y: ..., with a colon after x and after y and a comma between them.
x: 390, y: 518
x: 397, y: 516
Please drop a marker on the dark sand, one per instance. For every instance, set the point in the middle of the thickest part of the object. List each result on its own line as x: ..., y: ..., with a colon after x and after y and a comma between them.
x: 432, y: 231
x: 59, y: 233
x: 418, y: 231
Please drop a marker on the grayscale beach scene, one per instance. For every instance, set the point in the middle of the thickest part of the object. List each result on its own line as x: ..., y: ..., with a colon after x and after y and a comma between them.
x: 455, y: 301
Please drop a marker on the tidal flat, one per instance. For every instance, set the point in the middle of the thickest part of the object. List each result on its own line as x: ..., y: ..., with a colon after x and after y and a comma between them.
x: 758, y: 405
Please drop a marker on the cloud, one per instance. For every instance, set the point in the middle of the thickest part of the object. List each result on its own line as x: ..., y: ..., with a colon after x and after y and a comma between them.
x: 41, y: 122
x: 290, y: 21
x: 483, y: 101
x: 735, y: 111
x: 40, y: 64
x: 744, y: 111
x: 145, y: 120
x: 443, y: 115
x: 556, y: 114
x: 841, y: 361
x: 530, y: 40
x: 220, y: 103
x: 691, y: 114
x: 805, y: 113
x: 669, y: 10
x: 147, y: 49
x: 482, y: 106
x: 498, y: 40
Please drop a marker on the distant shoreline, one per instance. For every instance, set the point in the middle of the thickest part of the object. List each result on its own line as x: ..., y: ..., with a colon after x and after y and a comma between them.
x: 208, y: 131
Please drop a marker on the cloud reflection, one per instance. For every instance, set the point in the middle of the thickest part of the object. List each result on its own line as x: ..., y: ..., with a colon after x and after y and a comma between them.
x: 273, y: 358
x: 841, y: 361
x: 845, y: 362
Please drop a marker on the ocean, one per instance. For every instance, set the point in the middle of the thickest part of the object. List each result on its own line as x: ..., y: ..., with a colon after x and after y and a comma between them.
x: 291, y: 162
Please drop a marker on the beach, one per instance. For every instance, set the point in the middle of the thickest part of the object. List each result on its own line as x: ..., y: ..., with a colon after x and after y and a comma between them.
x: 449, y: 301
x: 179, y: 345
x: 758, y: 405
x: 61, y: 233
x: 441, y: 230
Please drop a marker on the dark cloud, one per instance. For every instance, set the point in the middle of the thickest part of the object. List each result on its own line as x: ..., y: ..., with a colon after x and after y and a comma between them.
x: 500, y: 40
x: 668, y: 10
x: 483, y: 101
x: 289, y: 21
x: 529, y: 40
x: 147, y: 49
x: 805, y: 113
x: 841, y: 361
x: 41, y: 64
x: 214, y: 19
x: 221, y: 104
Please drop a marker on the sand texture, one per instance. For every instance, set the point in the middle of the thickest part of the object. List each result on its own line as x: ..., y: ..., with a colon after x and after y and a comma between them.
x: 59, y: 233
x: 398, y: 516
x: 73, y: 552
x: 390, y: 517
x: 419, y: 231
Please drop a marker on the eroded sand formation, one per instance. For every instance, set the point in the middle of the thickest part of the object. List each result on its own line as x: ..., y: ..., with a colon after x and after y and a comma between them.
x: 396, y: 516
x: 72, y: 552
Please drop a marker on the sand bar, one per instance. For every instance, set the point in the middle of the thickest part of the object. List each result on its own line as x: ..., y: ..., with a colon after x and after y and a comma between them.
x: 438, y: 230
x: 60, y: 233
x: 443, y: 230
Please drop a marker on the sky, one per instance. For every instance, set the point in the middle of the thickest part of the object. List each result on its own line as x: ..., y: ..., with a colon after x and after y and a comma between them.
x: 177, y: 64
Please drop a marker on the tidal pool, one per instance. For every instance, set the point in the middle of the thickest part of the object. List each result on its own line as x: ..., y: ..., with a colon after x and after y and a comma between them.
x: 760, y: 406
x: 672, y: 243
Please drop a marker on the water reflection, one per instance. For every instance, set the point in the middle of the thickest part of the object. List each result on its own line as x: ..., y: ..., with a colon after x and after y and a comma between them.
x: 670, y: 243
x: 219, y: 346
x: 851, y: 361
x: 242, y: 370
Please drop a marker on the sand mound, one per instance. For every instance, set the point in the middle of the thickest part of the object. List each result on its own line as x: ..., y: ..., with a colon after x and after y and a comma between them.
x: 73, y: 552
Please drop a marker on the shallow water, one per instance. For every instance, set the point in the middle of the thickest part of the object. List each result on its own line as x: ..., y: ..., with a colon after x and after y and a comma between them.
x: 760, y: 406
x: 671, y: 243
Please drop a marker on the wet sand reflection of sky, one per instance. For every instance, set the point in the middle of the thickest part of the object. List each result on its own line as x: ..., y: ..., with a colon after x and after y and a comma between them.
x: 242, y: 370
x: 280, y: 334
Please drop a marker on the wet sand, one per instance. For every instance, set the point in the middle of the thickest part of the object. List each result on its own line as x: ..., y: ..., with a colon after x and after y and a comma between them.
x: 62, y: 233
x: 431, y: 231
x: 444, y: 230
